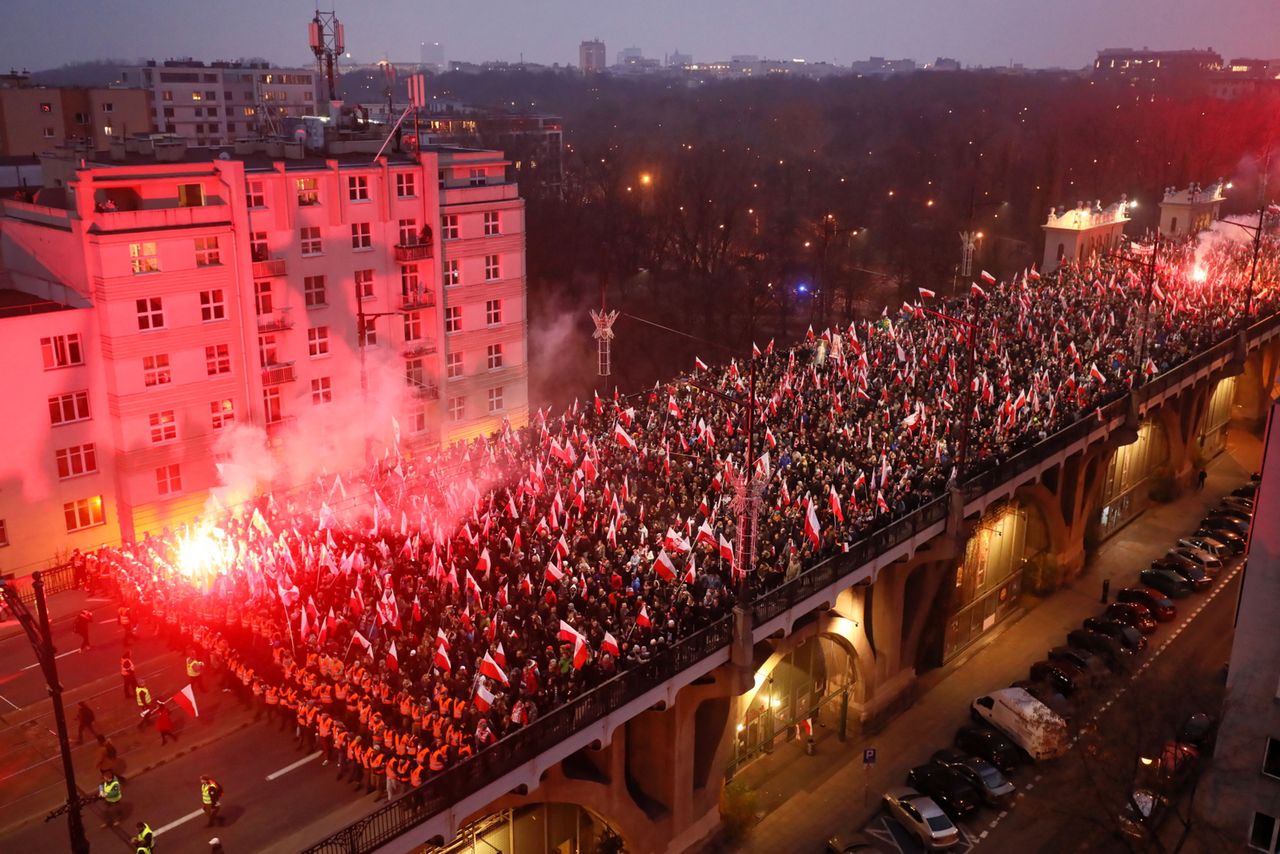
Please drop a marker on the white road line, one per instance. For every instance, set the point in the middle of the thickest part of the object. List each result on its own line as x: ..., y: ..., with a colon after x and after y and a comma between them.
x: 171, y: 825
x: 983, y: 834
x: 1003, y: 813
x: 55, y: 658
x: 10, y: 702
x: 286, y: 769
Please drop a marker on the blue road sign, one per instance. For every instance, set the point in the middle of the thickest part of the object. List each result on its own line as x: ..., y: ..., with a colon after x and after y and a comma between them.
x: 869, y: 756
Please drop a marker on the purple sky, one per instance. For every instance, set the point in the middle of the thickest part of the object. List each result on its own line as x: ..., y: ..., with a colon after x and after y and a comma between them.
x: 43, y: 33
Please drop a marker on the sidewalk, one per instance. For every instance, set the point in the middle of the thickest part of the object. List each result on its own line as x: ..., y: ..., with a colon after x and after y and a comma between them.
x: 804, y: 800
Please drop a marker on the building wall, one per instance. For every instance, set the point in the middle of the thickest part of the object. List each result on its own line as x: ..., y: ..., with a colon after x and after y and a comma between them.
x: 35, y: 119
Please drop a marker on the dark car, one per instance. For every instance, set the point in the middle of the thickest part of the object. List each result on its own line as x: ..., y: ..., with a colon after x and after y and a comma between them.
x: 1200, y: 731
x: 1126, y: 634
x: 1241, y: 505
x: 1229, y: 537
x: 1131, y: 614
x: 984, y: 742
x: 1067, y: 679
x: 1198, y: 578
x: 948, y: 788
x: 1089, y: 663
x: 1249, y: 490
x: 1228, y: 520
x: 1166, y: 581
x: 986, y: 779
x: 1197, y: 558
x: 1153, y: 600
x: 1117, y: 656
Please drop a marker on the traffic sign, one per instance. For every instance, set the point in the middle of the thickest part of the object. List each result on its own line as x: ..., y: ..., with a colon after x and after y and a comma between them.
x: 869, y: 756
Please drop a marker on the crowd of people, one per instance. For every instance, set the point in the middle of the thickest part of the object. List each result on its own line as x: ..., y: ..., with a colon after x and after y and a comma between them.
x: 448, y: 601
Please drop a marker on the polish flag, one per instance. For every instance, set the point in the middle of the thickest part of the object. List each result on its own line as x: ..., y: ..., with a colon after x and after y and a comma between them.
x: 642, y: 619
x: 881, y: 505
x: 925, y: 293
x: 393, y: 660
x: 484, y: 564
x: 610, y: 645
x: 690, y: 572
x: 503, y: 601
x: 186, y: 700
x: 1096, y: 374
x: 988, y: 278
x: 569, y: 633
x: 553, y: 574
x: 356, y: 600
x: 768, y: 437
x: 499, y: 654
x: 483, y: 699
x: 623, y: 437
x: 360, y: 639
x: 472, y: 585
x: 562, y: 548
x: 442, y: 659
x: 526, y: 586
x: 442, y: 642
x: 664, y: 567
x: 755, y: 351
x: 673, y: 407
x: 726, y: 550
x: 580, y: 653
x: 811, y: 528
x: 490, y: 668
x: 699, y: 364
x: 976, y: 290
x: 1034, y: 275
x: 835, y: 504
x: 706, y: 535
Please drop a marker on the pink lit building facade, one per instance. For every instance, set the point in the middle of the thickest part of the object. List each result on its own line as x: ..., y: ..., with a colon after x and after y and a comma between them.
x: 195, y: 293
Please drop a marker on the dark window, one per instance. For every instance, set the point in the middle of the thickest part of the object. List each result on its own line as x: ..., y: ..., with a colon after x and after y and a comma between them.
x: 1262, y: 835
x: 1271, y: 761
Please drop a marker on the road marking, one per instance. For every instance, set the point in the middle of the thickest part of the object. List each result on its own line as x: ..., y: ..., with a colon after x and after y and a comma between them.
x: 1029, y: 786
x: 55, y: 658
x: 10, y: 702
x: 171, y: 825
x: 983, y: 834
x: 1003, y: 813
x: 286, y: 769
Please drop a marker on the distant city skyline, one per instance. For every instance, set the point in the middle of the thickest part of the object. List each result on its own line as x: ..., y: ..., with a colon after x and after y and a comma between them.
x: 1034, y: 33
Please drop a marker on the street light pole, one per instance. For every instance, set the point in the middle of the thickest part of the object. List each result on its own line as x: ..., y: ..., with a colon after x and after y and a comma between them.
x: 41, y: 638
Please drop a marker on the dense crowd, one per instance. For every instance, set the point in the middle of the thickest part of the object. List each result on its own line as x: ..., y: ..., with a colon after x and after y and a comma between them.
x: 459, y: 596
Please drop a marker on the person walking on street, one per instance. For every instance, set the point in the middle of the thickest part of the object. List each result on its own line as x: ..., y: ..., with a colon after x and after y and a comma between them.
x: 195, y: 671
x: 111, y: 793
x: 126, y: 623
x: 85, y: 718
x: 1200, y: 479
x: 106, y: 755
x: 129, y: 676
x: 145, y: 838
x: 145, y: 709
x: 164, y: 724
x: 83, y: 619
x: 210, y: 799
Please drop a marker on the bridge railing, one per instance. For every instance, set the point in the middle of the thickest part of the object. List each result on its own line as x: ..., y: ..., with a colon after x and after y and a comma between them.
x: 441, y: 792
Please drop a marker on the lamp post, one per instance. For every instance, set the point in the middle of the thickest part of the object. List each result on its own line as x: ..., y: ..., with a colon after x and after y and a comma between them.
x: 41, y: 638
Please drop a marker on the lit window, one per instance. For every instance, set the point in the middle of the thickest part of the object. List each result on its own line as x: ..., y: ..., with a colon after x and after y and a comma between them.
x: 491, y: 223
x: 313, y: 291
x: 495, y: 399
x: 76, y: 460
x: 66, y: 408
x: 457, y: 408
x: 453, y: 366
x: 143, y: 258
x: 61, y: 351
x: 361, y: 235
x: 318, y: 341
x: 493, y: 312
x: 492, y: 270
x: 308, y: 191
x: 196, y: 96
x: 207, y: 254
x: 452, y: 272
x: 453, y: 319
x: 84, y: 513
x: 168, y: 479
x: 217, y: 359
x: 155, y: 370
x: 358, y: 188
x: 321, y: 391
x: 310, y: 241
x: 150, y: 313
x: 212, y: 305
x: 222, y: 413
x: 495, y: 356
x: 164, y: 426
x: 406, y: 184
x: 190, y: 196
x: 451, y: 227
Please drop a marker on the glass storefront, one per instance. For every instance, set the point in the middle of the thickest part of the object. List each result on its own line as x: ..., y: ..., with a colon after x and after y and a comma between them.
x: 1125, y: 488
x: 536, y: 829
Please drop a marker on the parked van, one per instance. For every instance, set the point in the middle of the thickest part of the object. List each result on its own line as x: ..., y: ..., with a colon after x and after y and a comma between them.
x: 1028, y: 722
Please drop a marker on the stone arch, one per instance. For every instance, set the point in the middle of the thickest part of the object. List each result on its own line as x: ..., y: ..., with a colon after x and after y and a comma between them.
x: 553, y: 809
x: 1038, y: 498
x: 826, y: 627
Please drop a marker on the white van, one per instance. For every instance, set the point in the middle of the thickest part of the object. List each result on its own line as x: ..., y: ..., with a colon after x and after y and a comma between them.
x: 1029, y: 723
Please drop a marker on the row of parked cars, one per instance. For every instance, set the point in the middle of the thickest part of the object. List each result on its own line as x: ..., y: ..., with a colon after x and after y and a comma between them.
x: 1029, y: 720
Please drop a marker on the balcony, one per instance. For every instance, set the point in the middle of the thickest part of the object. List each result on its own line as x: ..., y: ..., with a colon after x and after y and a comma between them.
x: 150, y: 219
x: 278, y: 373
x: 275, y: 321
x: 414, y: 251
x: 268, y: 268
x: 424, y: 390
x: 420, y: 347
x: 420, y: 299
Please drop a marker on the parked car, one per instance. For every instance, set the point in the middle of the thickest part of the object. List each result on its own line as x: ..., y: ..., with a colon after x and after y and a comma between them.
x: 1028, y: 722
x: 1153, y: 600
x: 1229, y: 537
x: 1131, y: 614
x: 991, y: 745
x: 949, y: 789
x: 1174, y: 767
x: 1236, y: 502
x: 1228, y: 520
x: 1198, y: 578
x: 1249, y: 490
x: 1049, y: 695
x: 921, y: 817
x: 986, y: 779
x: 1117, y: 656
x: 1066, y: 678
x: 1200, y: 731
x: 848, y: 843
x: 1089, y: 663
x: 1209, y: 545
x: 1198, y: 558
x: 1129, y: 637
x: 1166, y: 581
x: 1144, y: 809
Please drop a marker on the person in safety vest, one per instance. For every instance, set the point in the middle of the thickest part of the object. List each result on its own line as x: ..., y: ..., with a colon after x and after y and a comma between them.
x: 195, y: 672
x: 145, y: 838
x: 211, y: 799
x: 112, y: 794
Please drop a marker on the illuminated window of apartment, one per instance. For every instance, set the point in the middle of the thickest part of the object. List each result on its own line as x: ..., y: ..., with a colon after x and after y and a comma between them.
x: 493, y: 312
x: 190, y: 196
x: 453, y: 319
x: 408, y: 232
x: 66, y: 408
x: 495, y: 356
x: 361, y: 235
x: 143, y: 258
x: 196, y: 96
x: 457, y: 408
x: 217, y: 359
x: 318, y: 341
x: 61, y: 351
x: 412, y: 325
x: 492, y: 269
x: 308, y: 191
x: 321, y: 391
x: 453, y: 366
x: 495, y: 399
x: 207, y: 254
x: 155, y: 370
x: 364, y: 284
x: 166, y: 95
x: 164, y: 426
x: 212, y: 305
x: 310, y: 240
x: 83, y: 513
x: 313, y: 291
x: 262, y: 301
x: 358, y: 188
x: 452, y: 272
x: 450, y: 227
x: 272, y: 409
x: 107, y: 130
x: 76, y: 461
x: 406, y: 185
x: 169, y: 479
x: 222, y: 413
x: 150, y: 313
x: 490, y: 223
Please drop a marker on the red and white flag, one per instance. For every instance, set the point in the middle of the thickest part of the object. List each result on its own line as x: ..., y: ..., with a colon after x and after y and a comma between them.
x: 610, y: 645
x: 925, y: 293
x: 393, y: 660
x: 490, y: 668
x: 569, y: 633
x: 1096, y: 374
x: 360, y: 639
x: 988, y: 278
x: 483, y: 699
x: 553, y: 574
x: 664, y: 567
x: 580, y: 653
x: 186, y: 700
x: 699, y: 364
x: 623, y: 437
x: 976, y: 290
x: 706, y: 535
x: 726, y: 550
x: 642, y: 619
x: 835, y: 505
x: 442, y: 659
x: 811, y: 528
x: 483, y: 564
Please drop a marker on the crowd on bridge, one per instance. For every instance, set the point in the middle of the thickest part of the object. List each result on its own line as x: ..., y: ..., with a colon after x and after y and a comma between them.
x: 448, y: 601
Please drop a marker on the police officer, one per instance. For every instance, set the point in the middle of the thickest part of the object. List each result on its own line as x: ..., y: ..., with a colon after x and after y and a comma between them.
x: 195, y: 672
x: 210, y: 799
x: 145, y: 838
x: 112, y: 794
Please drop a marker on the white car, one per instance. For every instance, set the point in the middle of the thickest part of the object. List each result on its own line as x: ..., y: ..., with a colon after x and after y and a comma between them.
x: 921, y: 817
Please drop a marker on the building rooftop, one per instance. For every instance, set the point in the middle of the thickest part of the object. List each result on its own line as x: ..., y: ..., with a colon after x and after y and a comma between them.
x: 16, y: 303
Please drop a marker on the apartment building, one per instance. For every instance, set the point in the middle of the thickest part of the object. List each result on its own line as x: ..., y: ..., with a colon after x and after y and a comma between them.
x: 218, y: 102
x: 269, y: 287
x: 36, y: 118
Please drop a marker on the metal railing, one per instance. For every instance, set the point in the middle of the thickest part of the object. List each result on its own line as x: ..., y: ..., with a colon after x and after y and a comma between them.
x: 268, y: 268
x: 277, y: 373
x: 57, y: 579
x: 414, y: 251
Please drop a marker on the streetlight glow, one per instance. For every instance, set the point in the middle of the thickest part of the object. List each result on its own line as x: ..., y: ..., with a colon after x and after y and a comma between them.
x: 646, y: 179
